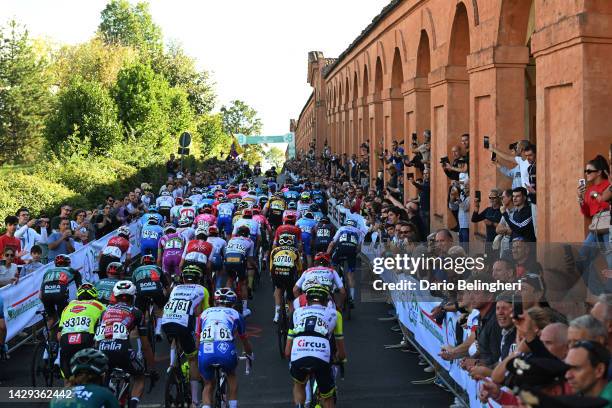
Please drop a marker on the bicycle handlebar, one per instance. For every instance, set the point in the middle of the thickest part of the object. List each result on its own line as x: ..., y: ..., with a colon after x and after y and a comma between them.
x: 249, y: 362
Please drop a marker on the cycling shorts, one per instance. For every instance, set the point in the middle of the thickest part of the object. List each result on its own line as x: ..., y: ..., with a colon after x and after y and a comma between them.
x: 306, y: 239
x: 275, y: 220
x: 286, y: 283
x: 171, y: 262
x: 105, y: 259
x: 217, y: 262
x: 152, y: 290
x: 70, y: 344
x: 121, y: 355
x: 183, y: 335
x: 149, y: 248
x: 321, y: 246
x: 220, y: 353
x: 348, y: 254
x: 225, y: 224
x: 236, y: 269
x: 54, y: 298
x: 301, y: 368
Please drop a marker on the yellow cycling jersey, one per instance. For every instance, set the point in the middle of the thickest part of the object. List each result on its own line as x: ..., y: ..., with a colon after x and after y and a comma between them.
x: 81, y: 316
x: 284, y: 260
x: 276, y: 204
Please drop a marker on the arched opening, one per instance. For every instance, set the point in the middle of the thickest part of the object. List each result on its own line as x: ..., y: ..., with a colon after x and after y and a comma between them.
x: 376, y: 120
x: 460, y: 37
x: 530, y: 81
x: 356, y: 137
x: 397, y: 99
x: 365, y: 91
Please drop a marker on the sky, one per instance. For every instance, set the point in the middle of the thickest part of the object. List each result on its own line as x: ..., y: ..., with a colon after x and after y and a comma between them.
x: 257, y: 51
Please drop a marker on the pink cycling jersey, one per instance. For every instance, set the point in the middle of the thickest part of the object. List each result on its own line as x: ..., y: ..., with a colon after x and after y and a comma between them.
x: 172, y: 246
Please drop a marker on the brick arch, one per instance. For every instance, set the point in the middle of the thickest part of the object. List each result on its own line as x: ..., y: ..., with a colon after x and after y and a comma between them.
x: 378, y: 76
x: 400, y: 44
x: 397, y: 69
x: 513, y: 22
x: 429, y: 27
x: 365, y: 87
x: 457, y: 44
x: 380, y: 54
x: 346, y: 89
x: 423, y: 58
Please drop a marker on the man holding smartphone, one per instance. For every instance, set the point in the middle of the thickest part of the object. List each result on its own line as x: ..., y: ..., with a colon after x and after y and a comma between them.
x: 61, y: 242
x: 518, y: 158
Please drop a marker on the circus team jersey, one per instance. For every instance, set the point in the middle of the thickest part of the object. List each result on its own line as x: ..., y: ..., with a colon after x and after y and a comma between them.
x: 311, y: 331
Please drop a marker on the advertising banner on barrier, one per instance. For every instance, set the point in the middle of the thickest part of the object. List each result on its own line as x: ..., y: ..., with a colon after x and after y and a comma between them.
x: 21, y: 301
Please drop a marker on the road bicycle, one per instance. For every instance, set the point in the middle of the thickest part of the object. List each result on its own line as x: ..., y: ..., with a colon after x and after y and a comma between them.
x: 178, y: 389
x: 282, y: 329
x: 316, y: 402
x: 151, y: 320
x: 220, y: 391
x: 121, y: 385
x: 346, y: 305
x: 43, y: 371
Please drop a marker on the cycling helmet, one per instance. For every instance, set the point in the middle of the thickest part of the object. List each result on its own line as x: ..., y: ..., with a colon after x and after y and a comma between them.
x: 243, y: 231
x: 289, y: 219
x: 323, y: 258
x: 152, y: 221
x: 166, y: 193
x: 324, y: 220
x: 242, y: 205
x: 62, y: 260
x: 124, y: 288
x: 123, y: 231
x: 252, y: 192
x: 147, y: 260
x: 187, y: 202
x: 213, y: 230
x: 201, y: 231
x: 350, y: 222
x: 87, y: 291
x: 247, y: 213
x: 184, y: 222
x: 192, y: 273
x: 314, y: 207
x: 292, y: 205
x: 317, y: 293
x: 206, y: 209
x: 89, y: 360
x: 169, y: 229
x: 309, y: 214
x: 256, y: 210
x: 115, y: 269
x: 305, y: 196
x: 153, y: 209
x: 225, y: 296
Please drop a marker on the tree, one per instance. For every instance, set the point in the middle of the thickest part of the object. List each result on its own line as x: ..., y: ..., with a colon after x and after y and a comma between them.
x: 180, y: 70
x: 84, y: 108
x: 215, y: 141
x: 24, y: 95
x: 130, y: 25
x: 275, y: 157
x: 240, y: 118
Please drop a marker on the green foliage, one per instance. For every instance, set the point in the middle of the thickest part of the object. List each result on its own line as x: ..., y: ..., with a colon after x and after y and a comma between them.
x: 93, y: 61
x: 85, y: 107
x: 240, y: 118
x: 131, y: 26
x: 180, y: 70
x: 276, y: 157
x: 24, y: 96
x: 215, y: 142
x: 253, y: 154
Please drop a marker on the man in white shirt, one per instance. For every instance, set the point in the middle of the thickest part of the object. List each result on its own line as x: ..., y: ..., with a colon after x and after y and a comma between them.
x: 519, y: 158
x: 27, y: 235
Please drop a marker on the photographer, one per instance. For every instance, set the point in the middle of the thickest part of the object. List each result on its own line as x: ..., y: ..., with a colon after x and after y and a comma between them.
x: 513, y: 173
x: 519, y: 158
x: 27, y: 234
x: 490, y: 215
x: 460, y: 202
x: 61, y: 242
x: 457, y: 166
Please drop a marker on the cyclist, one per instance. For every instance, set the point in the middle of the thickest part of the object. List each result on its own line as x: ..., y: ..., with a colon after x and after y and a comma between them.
x: 304, y: 204
x: 226, y: 212
x: 289, y: 228
x: 114, y: 273
x: 175, y: 211
x: 284, y: 268
x: 186, y: 303
x: 78, y: 324
x: 150, y: 234
x: 316, y: 212
x: 274, y: 210
x: 205, y: 217
x: 187, y: 210
x: 117, y: 249
x: 88, y: 368
x: 170, y: 251
x: 185, y: 228
x: 54, y: 290
x: 164, y: 203
x: 253, y: 225
x: 266, y: 230
x: 307, y: 224
x: 345, y: 247
x: 321, y: 274
x: 151, y: 285
x: 291, y: 210
x: 217, y: 328
x: 240, y: 256
x: 197, y: 252
x: 309, y: 346
x: 324, y: 232
x: 318, y: 196
x: 153, y: 213
x: 113, y: 338
x: 292, y: 195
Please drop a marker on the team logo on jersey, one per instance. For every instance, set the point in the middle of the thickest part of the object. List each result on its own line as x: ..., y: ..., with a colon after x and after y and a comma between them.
x: 74, y: 338
x: 223, y: 347
x: 77, y: 309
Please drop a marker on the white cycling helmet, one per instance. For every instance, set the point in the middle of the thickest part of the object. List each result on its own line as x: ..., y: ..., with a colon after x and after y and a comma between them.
x: 201, y: 230
x: 123, y: 230
x: 124, y: 287
x: 166, y: 193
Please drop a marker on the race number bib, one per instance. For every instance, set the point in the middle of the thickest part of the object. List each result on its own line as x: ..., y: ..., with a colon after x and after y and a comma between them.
x: 216, y: 331
x: 76, y: 324
x: 177, y: 306
x: 120, y: 332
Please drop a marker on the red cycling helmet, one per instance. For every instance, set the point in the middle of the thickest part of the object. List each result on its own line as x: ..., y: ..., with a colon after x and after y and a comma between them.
x: 322, y: 258
x: 213, y: 230
x: 247, y: 212
x: 178, y: 200
x: 147, y: 260
x: 289, y: 219
x: 256, y: 210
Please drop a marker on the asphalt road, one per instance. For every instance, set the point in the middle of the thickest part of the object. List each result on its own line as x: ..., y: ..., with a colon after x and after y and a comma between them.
x: 375, y: 377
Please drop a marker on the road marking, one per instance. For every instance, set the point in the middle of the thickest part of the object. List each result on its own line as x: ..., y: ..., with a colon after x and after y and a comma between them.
x: 254, y: 331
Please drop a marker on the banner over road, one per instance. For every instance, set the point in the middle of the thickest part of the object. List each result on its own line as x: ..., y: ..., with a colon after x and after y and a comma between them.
x: 288, y: 138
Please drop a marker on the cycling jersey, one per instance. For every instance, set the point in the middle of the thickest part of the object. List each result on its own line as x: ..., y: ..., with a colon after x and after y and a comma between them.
x: 89, y: 395
x: 149, y: 239
x: 218, y: 252
x: 150, y: 282
x: 306, y: 225
x: 284, y: 231
x: 81, y: 316
x: 55, y: 286
x: 165, y: 202
x: 197, y: 251
x: 105, y: 290
x: 185, y: 303
x: 302, y: 208
x: 253, y: 227
x: 318, y: 215
x: 348, y: 237
x: 311, y: 331
x: 217, y: 327
x: 291, y: 212
x: 321, y: 275
x: 121, y: 243
x: 291, y: 195
x: 323, y: 236
x: 205, y: 220
x: 284, y: 260
x: 275, y: 208
x: 172, y: 246
x: 237, y: 251
x: 144, y: 220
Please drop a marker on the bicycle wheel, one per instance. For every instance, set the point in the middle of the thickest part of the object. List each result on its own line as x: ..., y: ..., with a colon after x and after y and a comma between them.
x: 151, y: 329
x: 282, y: 331
x: 174, y: 395
x: 40, y: 372
x: 220, y: 390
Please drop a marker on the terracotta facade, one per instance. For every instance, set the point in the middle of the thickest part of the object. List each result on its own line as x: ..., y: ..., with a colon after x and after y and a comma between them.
x: 509, y: 69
